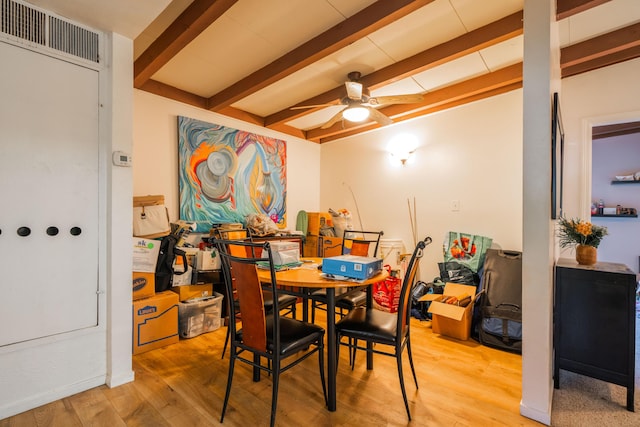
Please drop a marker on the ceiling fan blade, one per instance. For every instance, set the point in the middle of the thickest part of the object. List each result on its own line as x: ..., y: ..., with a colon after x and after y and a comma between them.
x: 333, y: 120
x: 396, y: 99
x: 379, y: 117
x: 354, y: 90
x: 302, y: 107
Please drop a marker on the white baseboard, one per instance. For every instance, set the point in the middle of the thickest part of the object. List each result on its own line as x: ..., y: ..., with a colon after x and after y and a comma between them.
x: 14, y: 408
x: 116, y: 380
x: 535, y: 414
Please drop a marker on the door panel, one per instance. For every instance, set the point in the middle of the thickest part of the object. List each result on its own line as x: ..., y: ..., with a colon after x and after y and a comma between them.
x: 49, y: 166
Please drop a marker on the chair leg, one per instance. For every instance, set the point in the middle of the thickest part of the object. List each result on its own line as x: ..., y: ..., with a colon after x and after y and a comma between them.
x: 321, y: 364
x: 338, y: 337
x: 352, y: 352
x: 413, y: 371
x: 401, y: 376
x: 228, y: 392
x: 274, y: 394
x: 226, y: 341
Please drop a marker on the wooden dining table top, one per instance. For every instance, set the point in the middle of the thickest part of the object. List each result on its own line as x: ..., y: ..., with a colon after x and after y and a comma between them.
x: 309, y: 276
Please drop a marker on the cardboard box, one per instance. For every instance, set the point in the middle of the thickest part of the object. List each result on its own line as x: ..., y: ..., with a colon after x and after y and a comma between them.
x: 186, y: 292
x: 144, y: 285
x: 316, y: 221
x: 330, y: 246
x: 145, y: 254
x: 208, y: 260
x: 356, y: 267
x: 310, y: 247
x: 449, y: 319
x: 199, y: 316
x: 155, y: 322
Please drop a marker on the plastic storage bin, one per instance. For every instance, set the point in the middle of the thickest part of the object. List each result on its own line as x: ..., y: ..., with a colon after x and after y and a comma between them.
x: 199, y: 315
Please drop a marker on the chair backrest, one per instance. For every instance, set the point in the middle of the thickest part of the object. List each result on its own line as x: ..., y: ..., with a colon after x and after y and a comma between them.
x: 404, y: 304
x: 241, y: 270
x: 235, y: 234
x: 361, y: 243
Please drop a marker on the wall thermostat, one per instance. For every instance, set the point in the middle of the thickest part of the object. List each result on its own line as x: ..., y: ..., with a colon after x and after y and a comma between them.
x: 120, y: 158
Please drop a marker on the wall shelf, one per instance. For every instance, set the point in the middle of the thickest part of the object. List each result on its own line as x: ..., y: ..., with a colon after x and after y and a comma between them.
x: 613, y: 216
x: 624, y: 182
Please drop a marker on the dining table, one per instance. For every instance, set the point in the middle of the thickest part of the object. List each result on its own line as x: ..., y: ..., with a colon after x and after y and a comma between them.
x: 302, y: 281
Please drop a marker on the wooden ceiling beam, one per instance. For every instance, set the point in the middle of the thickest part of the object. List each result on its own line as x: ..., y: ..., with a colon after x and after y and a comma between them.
x: 170, y: 92
x: 600, y: 46
x: 600, y: 62
x: 196, y: 18
x: 483, y: 37
x: 473, y: 87
x: 352, y: 29
x: 567, y: 8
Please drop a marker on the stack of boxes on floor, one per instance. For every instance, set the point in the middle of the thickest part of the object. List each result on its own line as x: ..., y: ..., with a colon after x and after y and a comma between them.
x: 161, y: 318
x: 319, y: 245
x: 155, y: 315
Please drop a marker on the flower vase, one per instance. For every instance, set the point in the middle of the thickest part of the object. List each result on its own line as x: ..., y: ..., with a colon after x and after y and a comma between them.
x: 586, y: 255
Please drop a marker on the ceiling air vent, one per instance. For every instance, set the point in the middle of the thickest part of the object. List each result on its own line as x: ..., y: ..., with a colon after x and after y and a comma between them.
x: 42, y: 29
x: 74, y: 40
x: 23, y: 22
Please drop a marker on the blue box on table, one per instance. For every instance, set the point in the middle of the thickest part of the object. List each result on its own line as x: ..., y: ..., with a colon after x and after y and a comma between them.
x: 352, y: 266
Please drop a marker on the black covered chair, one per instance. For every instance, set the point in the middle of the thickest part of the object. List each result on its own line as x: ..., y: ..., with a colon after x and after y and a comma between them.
x: 360, y: 243
x: 380, y: 327
x: 286, y: 303
x: 263, y: 336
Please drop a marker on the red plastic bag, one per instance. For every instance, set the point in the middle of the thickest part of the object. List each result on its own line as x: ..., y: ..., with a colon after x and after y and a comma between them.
x: 386, y: 294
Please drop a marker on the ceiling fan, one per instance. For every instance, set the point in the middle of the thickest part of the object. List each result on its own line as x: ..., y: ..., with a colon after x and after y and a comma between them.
x: 359, y: 106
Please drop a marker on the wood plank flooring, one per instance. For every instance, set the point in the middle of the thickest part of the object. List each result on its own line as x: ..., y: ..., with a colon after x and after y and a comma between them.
x: 461, y: 384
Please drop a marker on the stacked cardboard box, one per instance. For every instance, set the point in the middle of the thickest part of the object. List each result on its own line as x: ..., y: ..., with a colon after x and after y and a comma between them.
x: 145, y: 256
x: 155, y: 322
x: 317, y: 245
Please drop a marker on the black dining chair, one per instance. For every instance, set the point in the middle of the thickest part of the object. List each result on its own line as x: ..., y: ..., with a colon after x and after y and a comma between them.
x: 282, y: 341
x: 286, y: 303
x: 375, y: 326
x: 360, y: 243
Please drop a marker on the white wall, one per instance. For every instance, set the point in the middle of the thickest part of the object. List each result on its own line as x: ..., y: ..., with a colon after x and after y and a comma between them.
x: 155, y: 154
x: 472, y: 154
x: 605, y: 96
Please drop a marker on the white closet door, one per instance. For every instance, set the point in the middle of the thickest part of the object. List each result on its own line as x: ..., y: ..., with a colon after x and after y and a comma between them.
x: 49, y: 165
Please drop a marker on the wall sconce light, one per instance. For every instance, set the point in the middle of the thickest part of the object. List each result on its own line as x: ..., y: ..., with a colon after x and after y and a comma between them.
x: 355, y: 114
x: 402, y: 146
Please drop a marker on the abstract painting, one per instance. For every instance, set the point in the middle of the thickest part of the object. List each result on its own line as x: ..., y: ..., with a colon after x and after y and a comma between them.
x: 227, y: 174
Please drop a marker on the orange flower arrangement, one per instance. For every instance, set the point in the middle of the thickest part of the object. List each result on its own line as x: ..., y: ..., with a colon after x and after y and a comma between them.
x: 573, y: 232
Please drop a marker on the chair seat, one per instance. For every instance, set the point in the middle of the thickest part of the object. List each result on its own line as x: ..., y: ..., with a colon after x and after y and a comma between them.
x: 295, y: 335
x: 352, y: 300
x: 369, y: 324
x: 284, y: 300
x: 349, y: 301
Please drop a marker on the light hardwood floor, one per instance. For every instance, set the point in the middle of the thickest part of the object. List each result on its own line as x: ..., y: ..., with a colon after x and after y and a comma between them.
x: 461, y: 384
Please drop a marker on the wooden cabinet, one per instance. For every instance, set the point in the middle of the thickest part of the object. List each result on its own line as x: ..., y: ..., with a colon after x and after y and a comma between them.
x: 594, y: 322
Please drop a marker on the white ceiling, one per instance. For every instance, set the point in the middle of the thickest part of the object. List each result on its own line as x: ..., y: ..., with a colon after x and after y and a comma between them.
x: 254, y: 33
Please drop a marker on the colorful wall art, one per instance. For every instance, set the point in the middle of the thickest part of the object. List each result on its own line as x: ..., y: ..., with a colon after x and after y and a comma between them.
x: 227, y: 174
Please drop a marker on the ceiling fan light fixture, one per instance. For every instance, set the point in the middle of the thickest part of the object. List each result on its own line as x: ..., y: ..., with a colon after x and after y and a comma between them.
x: 356, y: 114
